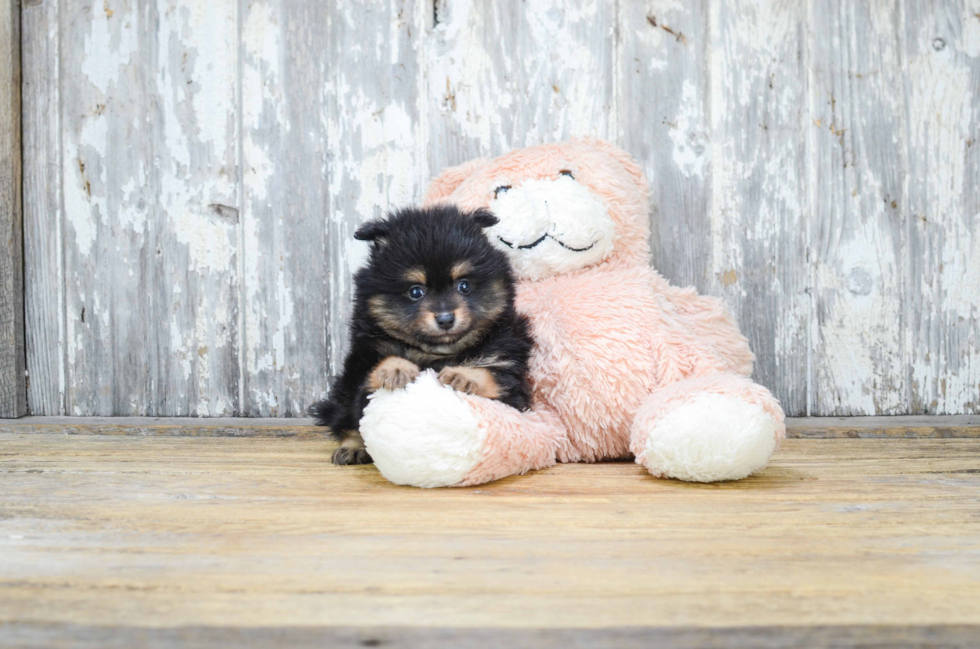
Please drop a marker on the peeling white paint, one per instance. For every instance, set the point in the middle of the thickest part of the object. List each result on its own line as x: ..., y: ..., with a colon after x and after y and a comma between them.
x: 211, y: 243
x: 159, y: 228
x: 261, y: 109
x: 692, y: 149
x: 84, y: 208
x: 108, y: 45
x: 555, y: 90
x: 944, y: 358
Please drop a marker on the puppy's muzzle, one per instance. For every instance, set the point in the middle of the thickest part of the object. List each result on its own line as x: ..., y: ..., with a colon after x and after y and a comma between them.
x: 445, y: 320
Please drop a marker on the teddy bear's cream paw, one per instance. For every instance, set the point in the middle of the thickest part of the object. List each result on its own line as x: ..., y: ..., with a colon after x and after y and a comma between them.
x: 712, y: 437
x: 424, y: 436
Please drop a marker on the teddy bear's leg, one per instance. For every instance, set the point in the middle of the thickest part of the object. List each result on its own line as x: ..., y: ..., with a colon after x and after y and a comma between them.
x: 709, y: 428
x: 428, y: 435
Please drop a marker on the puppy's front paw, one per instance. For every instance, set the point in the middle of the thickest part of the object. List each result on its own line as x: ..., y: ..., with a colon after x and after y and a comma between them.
x: 344, y: 456
x: 471, y: 380
x: 393, y: 373
x: 351, y: 450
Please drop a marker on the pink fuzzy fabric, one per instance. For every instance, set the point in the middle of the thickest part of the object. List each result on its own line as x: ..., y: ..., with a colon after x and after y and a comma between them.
x: 616, y: 345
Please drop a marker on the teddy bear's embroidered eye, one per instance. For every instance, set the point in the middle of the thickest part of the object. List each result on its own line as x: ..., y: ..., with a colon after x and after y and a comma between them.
x: 416, y: 292
x: 566, y: 172
x: 500, y: 190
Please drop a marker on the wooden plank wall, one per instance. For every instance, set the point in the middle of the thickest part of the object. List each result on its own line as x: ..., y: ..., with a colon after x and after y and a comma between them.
x: 13, y: 379
x: 194, y: 172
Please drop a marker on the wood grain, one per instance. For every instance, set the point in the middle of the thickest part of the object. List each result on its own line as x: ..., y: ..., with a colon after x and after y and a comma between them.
x: 913, y: 427
x: 48, y: 636
x: 287, y: 253
x: 109, y: 531
x: 665, y: 46
x: 44, y: 228
x: 942, y: 308
x: 884, y: 427
x: 505, y: 75
x: 107, y: 198
x: 190, y: 54
x: 194, y: 173
x: 857, y: 168
x: 149, y: 150
x: 757, y: 208
x: 13, y: 379
x: 167, y: 426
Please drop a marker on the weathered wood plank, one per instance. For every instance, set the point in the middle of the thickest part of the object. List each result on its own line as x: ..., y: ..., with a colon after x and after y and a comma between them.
x: 909, y: 427
x: 168, y: 426
x: 913, y: 427
x: 757, y: 205
x: 505, y: 75
x: 179, y: 265
x: 13, y: 379
x: 106, y: 166
x: 375, y: 132
x: 78, y: 636
x: 942, y: 78
x: 150, y: 532
x: 286, y: 253
x: 149, y: 159
x: 44, y: 278
x: 190, y: 55
x: 665, y: 73
x: 857, y: 171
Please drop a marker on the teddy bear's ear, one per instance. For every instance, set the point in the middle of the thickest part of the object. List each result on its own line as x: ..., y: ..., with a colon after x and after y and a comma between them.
x: 451, y: 178
x: 621, y: 157
x: 485, y: 218
x: 374, y: 231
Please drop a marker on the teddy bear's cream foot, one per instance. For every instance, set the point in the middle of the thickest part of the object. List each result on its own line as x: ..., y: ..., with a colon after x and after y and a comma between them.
x: 429, y: 435
x: 717, y: 427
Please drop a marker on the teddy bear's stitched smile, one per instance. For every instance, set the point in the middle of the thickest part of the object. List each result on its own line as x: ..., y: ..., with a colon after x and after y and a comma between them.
x: 544, y: 236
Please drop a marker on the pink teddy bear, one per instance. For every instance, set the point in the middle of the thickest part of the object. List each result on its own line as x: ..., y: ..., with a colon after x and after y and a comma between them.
x: 625, y: 365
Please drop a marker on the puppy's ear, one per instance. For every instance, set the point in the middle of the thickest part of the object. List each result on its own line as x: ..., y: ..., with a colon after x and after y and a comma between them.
x: 484, y: 218
x: 374, y: 231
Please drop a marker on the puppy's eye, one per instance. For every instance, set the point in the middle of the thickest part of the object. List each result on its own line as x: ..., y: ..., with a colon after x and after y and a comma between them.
x: 500, y: 190
x: 566, y: 172
x: 463, y: 286
x: 416, y: 292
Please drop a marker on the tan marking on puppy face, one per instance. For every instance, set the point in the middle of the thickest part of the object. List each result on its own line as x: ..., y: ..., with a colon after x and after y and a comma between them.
x: 471, y: 380
x: 488, y: 304
x: 386, y: 316
x: 416, y: 275
x: 393, y: 373
x: 461, y: 270
x: 494, y: 299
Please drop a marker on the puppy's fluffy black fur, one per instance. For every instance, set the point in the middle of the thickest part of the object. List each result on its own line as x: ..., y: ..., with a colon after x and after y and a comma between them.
x: 434, y: 294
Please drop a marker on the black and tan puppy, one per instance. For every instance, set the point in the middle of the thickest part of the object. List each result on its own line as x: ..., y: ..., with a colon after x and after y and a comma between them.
x: 434, y: 294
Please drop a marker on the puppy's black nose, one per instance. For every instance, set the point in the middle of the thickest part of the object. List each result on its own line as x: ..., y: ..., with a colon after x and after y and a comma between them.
x: 445, y: 320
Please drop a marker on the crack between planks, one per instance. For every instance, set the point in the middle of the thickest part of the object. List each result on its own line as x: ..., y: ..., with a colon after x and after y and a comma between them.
x: 63, y: 286
x: 810, y: 206
x: 240, y: 226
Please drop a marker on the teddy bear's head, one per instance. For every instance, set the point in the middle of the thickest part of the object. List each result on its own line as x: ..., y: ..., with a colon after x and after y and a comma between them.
x: 560, y: 206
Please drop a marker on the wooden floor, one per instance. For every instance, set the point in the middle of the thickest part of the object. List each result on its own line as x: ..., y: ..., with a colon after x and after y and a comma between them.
x: 122, y: 540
